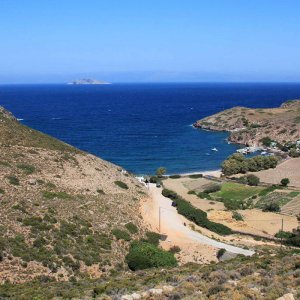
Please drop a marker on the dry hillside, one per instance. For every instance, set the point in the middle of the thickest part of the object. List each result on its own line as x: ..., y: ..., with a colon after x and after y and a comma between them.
x: 61, y: 210
x: 249, y: 126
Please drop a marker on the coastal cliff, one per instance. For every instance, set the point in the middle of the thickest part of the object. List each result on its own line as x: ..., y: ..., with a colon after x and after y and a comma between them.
x: 249, y: 126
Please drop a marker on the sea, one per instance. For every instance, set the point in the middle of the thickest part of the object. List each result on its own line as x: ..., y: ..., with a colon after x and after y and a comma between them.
x: 141, y: 126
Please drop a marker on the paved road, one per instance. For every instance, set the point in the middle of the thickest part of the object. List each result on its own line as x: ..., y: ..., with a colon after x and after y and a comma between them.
x: 171, y: 222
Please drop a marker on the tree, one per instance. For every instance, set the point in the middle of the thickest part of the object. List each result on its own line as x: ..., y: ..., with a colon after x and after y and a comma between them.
x: 266, y: 141
x: 285, y: 181
x: 252, y: 180
x: 161, y: 171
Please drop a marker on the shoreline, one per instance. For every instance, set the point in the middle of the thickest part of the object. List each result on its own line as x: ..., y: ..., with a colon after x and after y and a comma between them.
x: 215, y: 173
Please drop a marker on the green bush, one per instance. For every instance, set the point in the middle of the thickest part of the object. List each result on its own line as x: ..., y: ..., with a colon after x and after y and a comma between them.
x: 212, y: 188
x: 175, y: 176
x: 153, y: 179
x: 220, y: 253
x: 13, y: 180
x: 28, y: 169
x: 266, y: 141
x: 152, y: 238
x: 195, y: 215
x: 285, y: 181
x: 237, y: 216
x: 143, y: 255
x: 122, y: 185
x: 52, y: 195
x: 252, y: 180
x: 131, y: 228
x: 272, y: 207
x: 284, y: 234
x: 195, y: 176
x: 2, y: 191
x: 203, y: 195
x: 121, y: 234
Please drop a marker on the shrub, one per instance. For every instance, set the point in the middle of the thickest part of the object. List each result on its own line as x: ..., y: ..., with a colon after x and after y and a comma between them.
x: 174, y: 249
x: 284, y: 234
x: 237, y: 216
x: 1, y: 191
x: 152, y: 238
x: 143, y: 255
x: 28, y: 169
x: 204, y: 196
x: 161, y: 171
x: 52, y: 195
x: 121, y: 234
x: 122, y: 185
x: 131, y: 228
x: 212, y: 188
x: 195, y: 176
x: 220, y: 253
x: 252, y: 180
x: 13, y: 180
x: 195, y: 215
x: 294, y: 153
x: 175, y: 176
x: 273, y: 207
x: 285, y: 181
x: 266, y: 141
x: 153, y: 179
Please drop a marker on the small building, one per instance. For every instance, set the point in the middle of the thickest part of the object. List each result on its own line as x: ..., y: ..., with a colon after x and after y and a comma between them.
x: 273, y: 144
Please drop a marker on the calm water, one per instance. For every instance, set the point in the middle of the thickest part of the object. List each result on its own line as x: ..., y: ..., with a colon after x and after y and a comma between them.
x: 140, y: 126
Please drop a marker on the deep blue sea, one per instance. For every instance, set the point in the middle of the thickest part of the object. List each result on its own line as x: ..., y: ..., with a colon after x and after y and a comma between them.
x: 140, y: 126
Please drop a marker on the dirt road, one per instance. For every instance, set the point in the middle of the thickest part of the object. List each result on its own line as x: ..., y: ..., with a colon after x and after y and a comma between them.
x: 164, y: 218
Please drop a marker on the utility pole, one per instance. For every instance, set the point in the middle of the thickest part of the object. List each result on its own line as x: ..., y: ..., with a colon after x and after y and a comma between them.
x: 281, y: 234
x: 159, y: 219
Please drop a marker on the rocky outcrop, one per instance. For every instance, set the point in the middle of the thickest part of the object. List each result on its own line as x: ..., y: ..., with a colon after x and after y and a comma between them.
x: 248, y: 126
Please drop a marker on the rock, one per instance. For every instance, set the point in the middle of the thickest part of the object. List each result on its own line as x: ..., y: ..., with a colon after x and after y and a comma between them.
x: 168, y: 288
x: 134, y: 296
x: 155, y: 291
x: 126, y: 297
x: 32, y: 181
x: 145, y: 294
x: 286, y: 297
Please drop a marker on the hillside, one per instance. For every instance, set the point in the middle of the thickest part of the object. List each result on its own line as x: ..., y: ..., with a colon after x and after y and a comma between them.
x: 60, y: 208
x: 248, y: 126
x: 266, y: 276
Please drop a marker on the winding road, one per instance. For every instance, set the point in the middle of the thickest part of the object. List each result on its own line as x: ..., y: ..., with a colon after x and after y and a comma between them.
x: 170, y: 223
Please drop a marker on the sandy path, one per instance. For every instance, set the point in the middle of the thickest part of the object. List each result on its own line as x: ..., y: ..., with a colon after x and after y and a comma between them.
x: 171, y: 224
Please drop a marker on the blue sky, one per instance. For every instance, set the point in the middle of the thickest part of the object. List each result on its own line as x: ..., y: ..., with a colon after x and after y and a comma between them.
x: 149, y: 40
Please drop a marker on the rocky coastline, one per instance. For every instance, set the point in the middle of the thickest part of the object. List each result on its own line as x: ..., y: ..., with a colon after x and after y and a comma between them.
x: 250, y: 127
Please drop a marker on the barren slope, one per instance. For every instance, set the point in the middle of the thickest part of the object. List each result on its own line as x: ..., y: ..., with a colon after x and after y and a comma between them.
x: 58, y: 207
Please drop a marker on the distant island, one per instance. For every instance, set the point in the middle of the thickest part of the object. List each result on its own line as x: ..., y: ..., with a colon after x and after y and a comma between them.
x: 87, y: 81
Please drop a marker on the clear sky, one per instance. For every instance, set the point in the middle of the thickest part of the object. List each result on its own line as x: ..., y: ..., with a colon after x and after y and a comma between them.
x: 149, y: 40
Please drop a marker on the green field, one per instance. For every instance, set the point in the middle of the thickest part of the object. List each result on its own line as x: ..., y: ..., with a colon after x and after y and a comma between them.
x: 236, y: 191
x: 236, y: 195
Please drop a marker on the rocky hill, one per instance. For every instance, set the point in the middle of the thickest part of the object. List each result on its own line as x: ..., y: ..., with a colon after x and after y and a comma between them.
x: 248, y: 126
x: 64, y: 213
